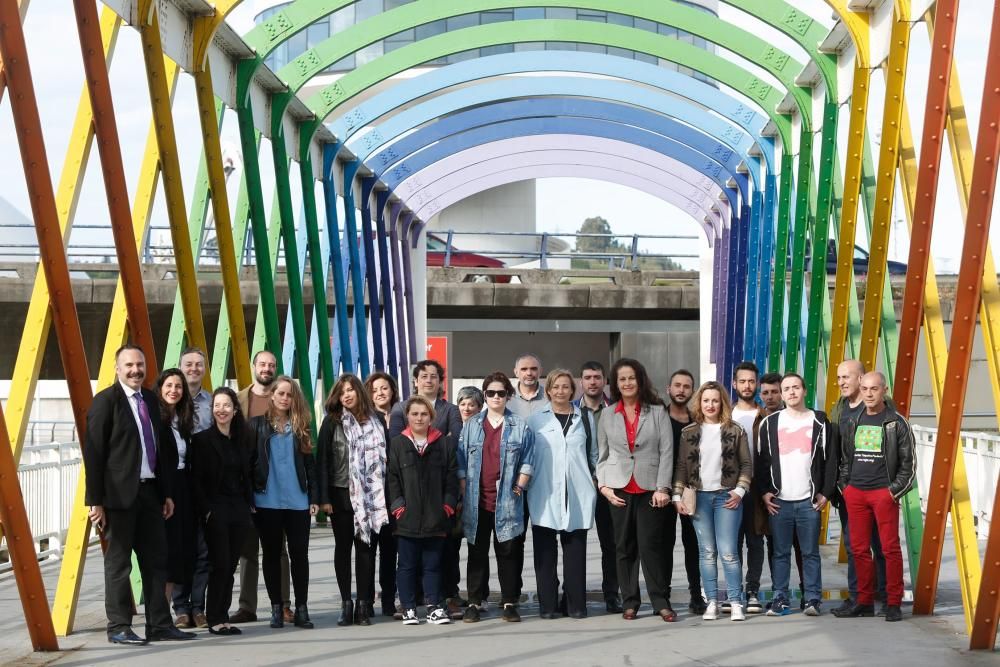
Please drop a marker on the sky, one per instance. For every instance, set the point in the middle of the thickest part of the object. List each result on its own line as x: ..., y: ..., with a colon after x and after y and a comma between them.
x: 562, y: 203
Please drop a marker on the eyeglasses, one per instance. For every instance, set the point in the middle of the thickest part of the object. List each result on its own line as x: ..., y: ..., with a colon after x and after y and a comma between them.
x: 495, y: 393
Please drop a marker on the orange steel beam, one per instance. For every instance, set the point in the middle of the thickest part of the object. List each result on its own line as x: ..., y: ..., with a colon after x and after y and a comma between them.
x: 929, y: 163
x: 21, y: 546
x: 984, y: 622
x: 968, y: 295
x: 95, y: 68
x: 34, y: 160
x: 23, y: 8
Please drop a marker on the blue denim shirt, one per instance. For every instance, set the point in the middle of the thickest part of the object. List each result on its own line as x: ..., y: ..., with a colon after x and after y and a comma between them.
x: 283, y: 492
x: 562, y: 494
x: 516, y: 453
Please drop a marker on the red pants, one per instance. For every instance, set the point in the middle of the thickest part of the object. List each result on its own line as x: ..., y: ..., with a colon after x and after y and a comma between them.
x: 864, y: 508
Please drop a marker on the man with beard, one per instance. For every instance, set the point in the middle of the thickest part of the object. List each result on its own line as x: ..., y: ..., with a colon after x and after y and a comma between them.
x: 748, y: 414
x: 593, y: 381
x: 189, y: 597
x: 129, y: 474
x: 679, y: 390
x: 528, y: 397
x: 254, y: 401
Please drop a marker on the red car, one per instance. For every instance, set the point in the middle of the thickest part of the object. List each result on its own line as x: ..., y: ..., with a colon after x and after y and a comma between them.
x: 437, y: 253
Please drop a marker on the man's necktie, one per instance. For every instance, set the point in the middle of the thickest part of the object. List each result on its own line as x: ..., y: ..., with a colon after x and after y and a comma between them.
x: 147, y: 430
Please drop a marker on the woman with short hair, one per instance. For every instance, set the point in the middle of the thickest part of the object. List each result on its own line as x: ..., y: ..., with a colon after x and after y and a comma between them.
x: 352, y: 459
x: 470, y: 402
x: 713, y: 458
x: 562, y: 497
x: 634, y: 467
x: 284, y: 479
x: 494, y: 468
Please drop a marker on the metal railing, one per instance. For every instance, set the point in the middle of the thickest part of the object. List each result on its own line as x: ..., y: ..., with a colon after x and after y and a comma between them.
x: 44, y: 432
x: 48, y: 475
x: 982, y: 467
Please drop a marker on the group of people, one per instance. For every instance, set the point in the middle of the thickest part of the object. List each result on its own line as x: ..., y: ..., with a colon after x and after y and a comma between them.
x: 196, y: 483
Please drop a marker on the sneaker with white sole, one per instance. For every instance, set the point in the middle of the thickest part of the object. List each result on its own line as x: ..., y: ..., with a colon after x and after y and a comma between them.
x: 410, y: 617
x: 437, y: 616
x: 753, y: 604
x: 711, y: 612
x: 812, y: 608
x: 779, y: 608
x: 737, y: 613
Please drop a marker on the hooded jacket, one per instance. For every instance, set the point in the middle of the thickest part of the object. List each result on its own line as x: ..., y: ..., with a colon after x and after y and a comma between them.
x: 825, y: 456
x: 422, y: 483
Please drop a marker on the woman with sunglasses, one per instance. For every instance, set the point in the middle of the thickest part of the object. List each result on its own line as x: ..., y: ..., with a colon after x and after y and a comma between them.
x: 494, y: 467
x: 635, y: 464
x: 713, y: 458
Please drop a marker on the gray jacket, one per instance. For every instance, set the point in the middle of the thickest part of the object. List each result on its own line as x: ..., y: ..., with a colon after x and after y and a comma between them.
x: 652, y: 460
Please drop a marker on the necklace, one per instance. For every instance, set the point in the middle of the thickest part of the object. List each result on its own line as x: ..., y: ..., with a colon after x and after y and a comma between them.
x: 494, y: 421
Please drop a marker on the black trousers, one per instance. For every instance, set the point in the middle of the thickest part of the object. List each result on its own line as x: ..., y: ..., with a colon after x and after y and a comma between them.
x: 510, y: 562
x: 342, y: 522
x: 689, y: 538
x: 387, y: 554
x: 639, y: 540
x: 546, y: 554
x: 606, y: 537
x: 755, y: 549
x: 139, y: 528
x: 292, y: 527
x: 225, y: 533
x: 249, y: 571
x: 451, y: 560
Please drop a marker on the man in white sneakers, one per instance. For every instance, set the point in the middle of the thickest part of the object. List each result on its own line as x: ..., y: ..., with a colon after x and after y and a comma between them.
x: 795, y: 473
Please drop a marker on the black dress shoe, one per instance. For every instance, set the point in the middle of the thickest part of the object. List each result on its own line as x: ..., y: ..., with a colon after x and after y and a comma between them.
x: 233, y: 630
x: 346, y: 613
x: 221, y: 631
x: 893, y: 613
x: 302, y: 617
x: 613, y: 604
x: 362, y: 613
x: 550, y: 615
x: 126, y: 637
x: 856, y: 611
x: 169, y: 634
x: 578, y: 614
x: 277, y: 616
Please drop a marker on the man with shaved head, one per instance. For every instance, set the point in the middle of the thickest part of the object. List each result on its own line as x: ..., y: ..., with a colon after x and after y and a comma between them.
x: 848, y: 407
x: 877, y: 468
x: 528, y: 398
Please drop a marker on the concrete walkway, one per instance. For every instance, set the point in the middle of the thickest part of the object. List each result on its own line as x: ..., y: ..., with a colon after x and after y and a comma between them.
x: 600, y: 639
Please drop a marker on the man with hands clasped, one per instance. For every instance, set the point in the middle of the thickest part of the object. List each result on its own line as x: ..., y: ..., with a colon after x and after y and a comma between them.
x: 795, y: 472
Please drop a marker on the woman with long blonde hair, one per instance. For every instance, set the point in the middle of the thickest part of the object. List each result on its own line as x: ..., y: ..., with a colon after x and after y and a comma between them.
x: 285, y: 493
x: 713, y: 459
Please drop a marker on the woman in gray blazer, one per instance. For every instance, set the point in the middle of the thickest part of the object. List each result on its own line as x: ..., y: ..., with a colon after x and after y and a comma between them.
x: 634, y: 472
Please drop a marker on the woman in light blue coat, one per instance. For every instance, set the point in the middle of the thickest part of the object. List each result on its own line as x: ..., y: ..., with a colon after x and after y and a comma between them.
x: 562, y: 495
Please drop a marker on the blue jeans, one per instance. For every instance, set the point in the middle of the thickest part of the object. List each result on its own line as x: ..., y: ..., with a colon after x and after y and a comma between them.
x: 796, y: 517
x: 718, y: 532
x: 419, y: 556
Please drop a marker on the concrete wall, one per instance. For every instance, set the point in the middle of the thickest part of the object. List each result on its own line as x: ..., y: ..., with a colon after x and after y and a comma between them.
x: 661, y: 353
x: 476, y: 354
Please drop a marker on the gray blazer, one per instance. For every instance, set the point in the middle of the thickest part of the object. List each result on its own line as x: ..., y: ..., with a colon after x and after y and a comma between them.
x: 652, y: 460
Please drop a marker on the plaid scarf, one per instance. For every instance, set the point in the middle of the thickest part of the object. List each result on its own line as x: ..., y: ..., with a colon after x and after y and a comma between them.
x: 366, y: 448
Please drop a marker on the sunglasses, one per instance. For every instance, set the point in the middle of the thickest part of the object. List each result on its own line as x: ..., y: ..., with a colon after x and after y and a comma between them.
x: 494, y: 393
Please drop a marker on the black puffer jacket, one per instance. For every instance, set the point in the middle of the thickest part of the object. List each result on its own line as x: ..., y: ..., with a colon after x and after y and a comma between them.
x: 423, y: 484
x: 897, y: 447
x: 260, y: 432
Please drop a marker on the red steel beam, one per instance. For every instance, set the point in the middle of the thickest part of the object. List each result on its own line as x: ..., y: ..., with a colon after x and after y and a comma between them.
x: 23, y: 7
x: 929, y: 163
x: 968, y: 295
x: 984, y: 622
x: 95, y: 68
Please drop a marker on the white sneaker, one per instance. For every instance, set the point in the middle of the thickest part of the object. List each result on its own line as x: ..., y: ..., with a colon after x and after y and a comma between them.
x: 712, y: 612
x: 737, y: 612
x: 410, y: 617
x: 437, y: 616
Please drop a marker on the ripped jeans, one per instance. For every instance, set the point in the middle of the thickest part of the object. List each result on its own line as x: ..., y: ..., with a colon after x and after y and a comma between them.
x: 718, y: 532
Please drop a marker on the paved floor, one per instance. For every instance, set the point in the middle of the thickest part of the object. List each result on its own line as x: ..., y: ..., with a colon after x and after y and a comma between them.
x: 598, y: 640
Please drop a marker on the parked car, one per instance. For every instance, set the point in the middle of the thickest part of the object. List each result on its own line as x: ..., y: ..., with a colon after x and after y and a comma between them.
x: 437, y: 252
x: 860, y: 261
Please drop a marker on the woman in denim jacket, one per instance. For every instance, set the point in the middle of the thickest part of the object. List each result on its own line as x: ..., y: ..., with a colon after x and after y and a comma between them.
x: 494, y: 468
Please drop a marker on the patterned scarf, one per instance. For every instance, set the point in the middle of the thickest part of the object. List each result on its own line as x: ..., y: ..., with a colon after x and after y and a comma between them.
x: 366, y: 448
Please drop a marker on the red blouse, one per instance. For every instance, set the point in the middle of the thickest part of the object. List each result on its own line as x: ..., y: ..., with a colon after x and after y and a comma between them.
x: 631, y: 429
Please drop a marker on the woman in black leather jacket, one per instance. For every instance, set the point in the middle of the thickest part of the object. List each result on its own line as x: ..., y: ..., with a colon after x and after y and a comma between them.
x: 284, y: 481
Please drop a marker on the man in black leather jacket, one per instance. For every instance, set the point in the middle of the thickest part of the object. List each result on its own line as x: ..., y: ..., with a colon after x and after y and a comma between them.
x: 877, y: 468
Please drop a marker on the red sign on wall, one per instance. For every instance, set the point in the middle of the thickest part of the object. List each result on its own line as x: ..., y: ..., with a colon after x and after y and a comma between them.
x: 437, y: 349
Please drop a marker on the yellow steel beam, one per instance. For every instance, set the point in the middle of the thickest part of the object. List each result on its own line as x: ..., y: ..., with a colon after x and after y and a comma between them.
x: 28, y: 363
x: 885, y: 184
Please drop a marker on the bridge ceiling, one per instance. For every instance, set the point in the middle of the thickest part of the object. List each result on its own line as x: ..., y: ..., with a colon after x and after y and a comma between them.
x: 763, y: 146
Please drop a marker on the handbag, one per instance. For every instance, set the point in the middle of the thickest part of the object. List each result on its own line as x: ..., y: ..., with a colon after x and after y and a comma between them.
x: 689, y: 497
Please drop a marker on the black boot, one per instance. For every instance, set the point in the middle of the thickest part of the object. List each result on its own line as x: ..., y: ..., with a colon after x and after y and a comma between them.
x: 277, y: 616
x: 346, y: 613
x: 302, y: 617
x: 363, y: 613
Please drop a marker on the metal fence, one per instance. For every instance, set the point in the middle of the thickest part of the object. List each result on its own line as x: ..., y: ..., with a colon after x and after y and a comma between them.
x: 982, y: 466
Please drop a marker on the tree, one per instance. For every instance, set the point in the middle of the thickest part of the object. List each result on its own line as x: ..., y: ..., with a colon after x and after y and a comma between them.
x: 587, y: 244
x: 611, y: 246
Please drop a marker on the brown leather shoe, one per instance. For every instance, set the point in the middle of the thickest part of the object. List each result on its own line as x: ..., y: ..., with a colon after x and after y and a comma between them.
x: 183, y: 621
x: 630, y: 614
x: 200, y: 620
x: 668, y: 615
x: 289, y: 615
x: 243, y: 616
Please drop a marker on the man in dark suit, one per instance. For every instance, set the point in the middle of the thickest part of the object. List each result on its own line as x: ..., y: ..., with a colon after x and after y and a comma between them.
x: 129, y: 473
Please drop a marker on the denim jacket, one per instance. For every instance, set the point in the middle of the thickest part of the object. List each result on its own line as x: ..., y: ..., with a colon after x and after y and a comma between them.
x: 516, y: 453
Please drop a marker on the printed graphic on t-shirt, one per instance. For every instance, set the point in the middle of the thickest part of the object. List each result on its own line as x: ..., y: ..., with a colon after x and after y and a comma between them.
x: 795, y: 437
x: 868, y: 442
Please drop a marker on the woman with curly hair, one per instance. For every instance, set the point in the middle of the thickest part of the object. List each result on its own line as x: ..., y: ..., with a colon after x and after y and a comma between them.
x: 284, y: 481
x: 713, y: 460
